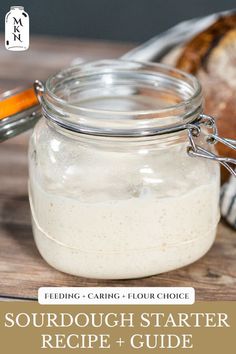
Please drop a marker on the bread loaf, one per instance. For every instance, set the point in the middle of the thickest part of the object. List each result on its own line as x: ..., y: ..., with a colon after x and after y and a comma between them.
x: 211, y: 56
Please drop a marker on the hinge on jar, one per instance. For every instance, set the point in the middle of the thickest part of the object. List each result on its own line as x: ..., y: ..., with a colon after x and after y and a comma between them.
x: 39, y: 89
x: 194, y: 130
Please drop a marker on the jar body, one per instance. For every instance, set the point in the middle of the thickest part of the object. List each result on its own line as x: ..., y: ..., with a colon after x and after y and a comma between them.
x: 117, y: 208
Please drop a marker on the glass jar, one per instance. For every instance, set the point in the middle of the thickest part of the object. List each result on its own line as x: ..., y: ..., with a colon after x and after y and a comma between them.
x: 113, y: 191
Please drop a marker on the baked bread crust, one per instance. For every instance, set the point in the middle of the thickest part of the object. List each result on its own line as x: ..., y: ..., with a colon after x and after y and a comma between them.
x: 211, y: 56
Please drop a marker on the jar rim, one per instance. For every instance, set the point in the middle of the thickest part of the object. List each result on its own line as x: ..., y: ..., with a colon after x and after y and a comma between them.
x: 92, y: 120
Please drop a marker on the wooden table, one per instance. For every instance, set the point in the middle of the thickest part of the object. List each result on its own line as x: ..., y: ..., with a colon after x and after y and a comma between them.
x: 22, y: 270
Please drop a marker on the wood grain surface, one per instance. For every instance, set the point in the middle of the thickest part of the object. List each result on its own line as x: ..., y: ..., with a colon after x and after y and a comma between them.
x: 22, y: 270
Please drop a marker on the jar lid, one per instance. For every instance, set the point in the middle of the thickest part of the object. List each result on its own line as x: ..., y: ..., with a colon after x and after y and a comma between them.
x: 122, y: 98
x: 17, y: 7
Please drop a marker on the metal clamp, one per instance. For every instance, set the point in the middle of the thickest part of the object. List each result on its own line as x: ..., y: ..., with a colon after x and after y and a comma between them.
x: 195, y: 150
x: 39, y: 89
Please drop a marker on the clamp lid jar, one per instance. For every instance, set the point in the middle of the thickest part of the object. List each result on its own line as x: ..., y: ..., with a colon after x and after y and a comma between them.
x: 113, y: 191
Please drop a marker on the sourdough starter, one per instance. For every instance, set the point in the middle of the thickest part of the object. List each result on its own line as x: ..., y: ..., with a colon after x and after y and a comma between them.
x: 124, y: 238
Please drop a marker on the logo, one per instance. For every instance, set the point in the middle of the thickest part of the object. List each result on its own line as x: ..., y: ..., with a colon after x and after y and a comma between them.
x: 17, y: 29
